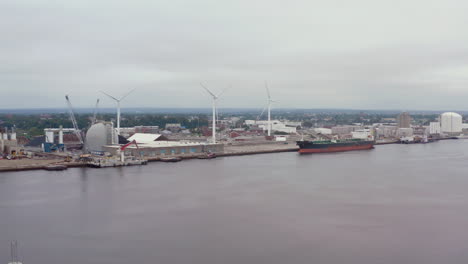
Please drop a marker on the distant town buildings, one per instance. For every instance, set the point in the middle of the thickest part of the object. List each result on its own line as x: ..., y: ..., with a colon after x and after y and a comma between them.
x: 276, y: 125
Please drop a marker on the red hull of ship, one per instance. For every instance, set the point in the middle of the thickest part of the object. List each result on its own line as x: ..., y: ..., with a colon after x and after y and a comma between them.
x: 337, y: 149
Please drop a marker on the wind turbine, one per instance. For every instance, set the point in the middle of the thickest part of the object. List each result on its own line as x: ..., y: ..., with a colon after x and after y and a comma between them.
x: 118, y: 107
x: 215, y: 111
x: 270, y: 102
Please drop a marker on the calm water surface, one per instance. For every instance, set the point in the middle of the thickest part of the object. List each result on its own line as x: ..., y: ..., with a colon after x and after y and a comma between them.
x: 393, y: 204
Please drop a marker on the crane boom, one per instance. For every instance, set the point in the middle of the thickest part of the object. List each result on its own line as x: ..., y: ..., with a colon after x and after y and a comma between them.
x: 73, y: 119
x: 128, y: 144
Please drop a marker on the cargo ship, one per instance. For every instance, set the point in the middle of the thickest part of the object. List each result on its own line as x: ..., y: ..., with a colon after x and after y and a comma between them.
x: 334, y: 145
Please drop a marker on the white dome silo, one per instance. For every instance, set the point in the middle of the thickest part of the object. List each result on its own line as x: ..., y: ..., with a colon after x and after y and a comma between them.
x: 98, y: 135
x: 451, y: 123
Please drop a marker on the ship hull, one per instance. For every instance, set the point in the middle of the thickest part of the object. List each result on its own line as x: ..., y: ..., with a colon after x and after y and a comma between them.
x: 310, y: 147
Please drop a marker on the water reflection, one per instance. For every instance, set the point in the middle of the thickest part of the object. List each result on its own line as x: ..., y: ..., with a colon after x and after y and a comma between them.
x: 394, y: 204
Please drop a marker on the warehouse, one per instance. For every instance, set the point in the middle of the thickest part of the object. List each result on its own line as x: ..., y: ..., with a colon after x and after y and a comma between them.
x: 166, y: 148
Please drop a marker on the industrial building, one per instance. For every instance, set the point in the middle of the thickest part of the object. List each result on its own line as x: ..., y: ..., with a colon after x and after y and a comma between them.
x: 128, y: 131
x: 344, y: 130
x: 403, y: 132
x: 276, y: 125
x: 323, y: 131
x: 362, y: 134
x: 404, y: 120
x: 101, y: 138
x: 53, y: 143
x: 166, y: 148
x: 434, y: 128
x: 9, y: 144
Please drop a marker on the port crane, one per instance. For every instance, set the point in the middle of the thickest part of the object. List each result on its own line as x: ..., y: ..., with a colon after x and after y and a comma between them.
x: 73, y: 119
x: 122, y: 150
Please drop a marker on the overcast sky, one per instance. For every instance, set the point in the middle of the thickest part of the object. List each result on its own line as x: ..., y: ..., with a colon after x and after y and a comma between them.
x: 361, y: 54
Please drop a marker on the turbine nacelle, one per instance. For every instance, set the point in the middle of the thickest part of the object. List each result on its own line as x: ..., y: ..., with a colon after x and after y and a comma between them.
x: 215, y: 97
x: 118, y: 106
x: 121, y: 98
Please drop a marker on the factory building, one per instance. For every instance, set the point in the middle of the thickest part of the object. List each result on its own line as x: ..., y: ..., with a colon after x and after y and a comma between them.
x: 55, y: 144
x: 140, y: 138
x: 323, y: 131
x: 385, y: 131
x: 344, y: 130
x: 434, y: 128
x: 9, y: 144
x: 405, y: 132
x: 404, y: 120
x: 156, y: 149
x: 362, y: 134
x: 128, y: 131
x: 276, y: 125
x: 148, y: 145
x: 451, y: 124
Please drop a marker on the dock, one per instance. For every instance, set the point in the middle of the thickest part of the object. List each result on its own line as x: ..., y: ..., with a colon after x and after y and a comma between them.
x: 239, y: 149
x: 101, y: 162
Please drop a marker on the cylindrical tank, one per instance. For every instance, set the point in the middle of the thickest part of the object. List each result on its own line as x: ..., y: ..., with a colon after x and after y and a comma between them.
x: 13, y: 136
x: 49, y: 136
x: 451, y: 123
x: 60, y: 136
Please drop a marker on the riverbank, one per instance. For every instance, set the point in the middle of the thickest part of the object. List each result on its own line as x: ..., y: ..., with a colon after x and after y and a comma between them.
x: 229, y: 150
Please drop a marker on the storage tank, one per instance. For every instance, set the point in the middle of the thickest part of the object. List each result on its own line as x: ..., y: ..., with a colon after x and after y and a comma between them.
x: 451, y: 123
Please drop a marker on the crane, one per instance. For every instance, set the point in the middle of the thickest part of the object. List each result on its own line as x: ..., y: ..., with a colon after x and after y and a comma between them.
x: 122, y: 149
x: 73, y: 119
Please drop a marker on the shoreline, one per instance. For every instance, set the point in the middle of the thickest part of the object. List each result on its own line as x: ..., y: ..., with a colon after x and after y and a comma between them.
x: 230, y: 151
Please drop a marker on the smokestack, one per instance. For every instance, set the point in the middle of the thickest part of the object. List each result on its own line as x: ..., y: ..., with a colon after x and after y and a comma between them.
x: 61, y: 135
x: 5, y: 134
x: 13, y: 134
x: 49, y: 136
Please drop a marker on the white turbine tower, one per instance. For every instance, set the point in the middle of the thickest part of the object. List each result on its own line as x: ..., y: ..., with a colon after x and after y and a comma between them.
x: 270, y: 102
x: 118, y: 107
x: 215, y: 111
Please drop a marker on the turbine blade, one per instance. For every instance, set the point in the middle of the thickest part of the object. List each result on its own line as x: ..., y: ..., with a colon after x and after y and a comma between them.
x: 127, y: 94
x: 208, y: 90
x: 112, y: 97
x: 222, y: 92
x: 263, y: 111
x: 268, y: 90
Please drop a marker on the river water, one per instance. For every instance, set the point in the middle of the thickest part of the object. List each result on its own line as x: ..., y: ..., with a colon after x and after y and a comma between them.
x: 393, y: 204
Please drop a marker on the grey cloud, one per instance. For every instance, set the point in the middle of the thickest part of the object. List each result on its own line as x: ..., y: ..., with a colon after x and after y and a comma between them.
x: 356, y: 54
